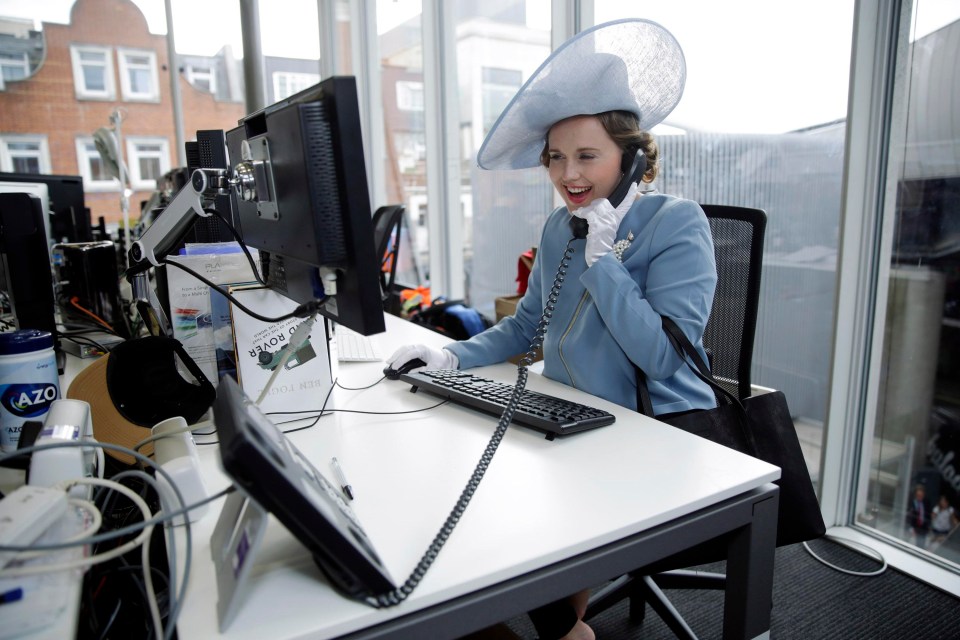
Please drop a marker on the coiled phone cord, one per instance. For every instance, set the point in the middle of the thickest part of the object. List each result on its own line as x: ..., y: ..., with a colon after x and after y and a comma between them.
x: 398, y: 595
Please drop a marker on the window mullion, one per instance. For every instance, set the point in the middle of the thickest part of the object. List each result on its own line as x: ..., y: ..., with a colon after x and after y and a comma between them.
x: 442, y: 118
x: 859, y: 319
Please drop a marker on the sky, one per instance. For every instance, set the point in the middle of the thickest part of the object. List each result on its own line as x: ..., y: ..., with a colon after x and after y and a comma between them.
x: 741, y: 77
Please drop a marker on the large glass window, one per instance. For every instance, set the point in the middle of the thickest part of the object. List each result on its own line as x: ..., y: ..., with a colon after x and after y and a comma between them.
x: 762, y: 124
x: 499, y: 45
x: 118, y: 67
x: 911, y: 490
x: 401, y: 68
x: 92, y: 72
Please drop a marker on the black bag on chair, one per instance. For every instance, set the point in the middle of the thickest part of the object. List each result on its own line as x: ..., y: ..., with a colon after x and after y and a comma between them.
x: 760, y: 426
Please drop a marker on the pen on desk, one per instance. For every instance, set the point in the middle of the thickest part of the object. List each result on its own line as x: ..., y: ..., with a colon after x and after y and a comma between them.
x: 342, y: 479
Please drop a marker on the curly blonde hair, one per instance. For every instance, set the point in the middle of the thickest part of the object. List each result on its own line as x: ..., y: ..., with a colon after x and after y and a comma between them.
x: 624, y: 128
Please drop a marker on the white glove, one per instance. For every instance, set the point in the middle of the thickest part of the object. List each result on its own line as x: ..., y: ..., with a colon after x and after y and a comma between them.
x: 435, y: 358
x: 604, y: 221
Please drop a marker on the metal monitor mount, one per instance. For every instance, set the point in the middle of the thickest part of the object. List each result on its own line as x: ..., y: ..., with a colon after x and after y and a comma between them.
x: 252, y: 179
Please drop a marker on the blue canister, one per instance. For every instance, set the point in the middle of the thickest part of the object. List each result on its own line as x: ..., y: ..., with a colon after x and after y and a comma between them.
x: 28, y: 381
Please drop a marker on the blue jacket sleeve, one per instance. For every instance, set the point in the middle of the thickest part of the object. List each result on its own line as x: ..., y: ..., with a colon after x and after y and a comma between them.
x: 509, y: 337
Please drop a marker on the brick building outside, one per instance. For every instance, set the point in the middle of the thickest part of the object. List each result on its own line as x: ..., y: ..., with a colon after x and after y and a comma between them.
x: 104, y: 63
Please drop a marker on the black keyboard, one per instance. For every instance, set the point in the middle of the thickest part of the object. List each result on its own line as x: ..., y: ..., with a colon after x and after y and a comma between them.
x: 554, y: 416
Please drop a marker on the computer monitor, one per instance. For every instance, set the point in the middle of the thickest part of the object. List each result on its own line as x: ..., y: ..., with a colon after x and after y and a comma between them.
x: 311, y: 212
x: 25, y: 273
x: 43, y: 195
x: 71, y: 218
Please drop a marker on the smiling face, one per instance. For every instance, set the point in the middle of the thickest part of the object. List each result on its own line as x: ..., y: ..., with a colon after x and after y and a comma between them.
x: 584, y: 160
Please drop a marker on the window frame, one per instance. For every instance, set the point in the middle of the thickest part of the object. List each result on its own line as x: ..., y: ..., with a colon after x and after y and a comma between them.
x: 83, y: 165
x: 7, y: 61
x: 875, y: 144
x: 79, y: 81
x: 125, y: 67
x: 134, y: 154
x: 303, y: 80
x: 205, y: 73
x: 7, y: 157
x: 406, y: 90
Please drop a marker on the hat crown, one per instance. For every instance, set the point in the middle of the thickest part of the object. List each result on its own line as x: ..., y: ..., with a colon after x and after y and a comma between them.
x: 630, y: 65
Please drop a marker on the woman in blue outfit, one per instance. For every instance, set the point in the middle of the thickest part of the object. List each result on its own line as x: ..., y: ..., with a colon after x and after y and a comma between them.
x: 585, y: 115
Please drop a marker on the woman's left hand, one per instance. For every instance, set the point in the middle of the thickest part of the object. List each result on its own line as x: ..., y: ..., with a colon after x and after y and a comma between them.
x: 604, y: 220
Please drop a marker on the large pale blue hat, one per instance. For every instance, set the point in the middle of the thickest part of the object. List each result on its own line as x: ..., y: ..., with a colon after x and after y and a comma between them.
x: 630, y: 65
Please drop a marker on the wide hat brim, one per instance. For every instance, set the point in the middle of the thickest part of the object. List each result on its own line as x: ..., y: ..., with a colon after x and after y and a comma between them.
x: 630, y: 65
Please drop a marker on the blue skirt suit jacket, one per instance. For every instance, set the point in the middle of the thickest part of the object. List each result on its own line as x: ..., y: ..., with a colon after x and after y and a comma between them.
x: 607, y: 317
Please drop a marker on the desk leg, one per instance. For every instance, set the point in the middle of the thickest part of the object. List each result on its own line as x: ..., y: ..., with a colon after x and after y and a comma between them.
x: 749, y: 590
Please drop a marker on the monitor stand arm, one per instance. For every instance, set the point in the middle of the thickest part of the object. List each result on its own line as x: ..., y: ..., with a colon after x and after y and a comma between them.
x: 157, y: 241
x: 148, y: 305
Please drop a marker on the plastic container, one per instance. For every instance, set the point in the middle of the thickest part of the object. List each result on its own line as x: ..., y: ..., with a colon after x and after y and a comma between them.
x: 28, y: 381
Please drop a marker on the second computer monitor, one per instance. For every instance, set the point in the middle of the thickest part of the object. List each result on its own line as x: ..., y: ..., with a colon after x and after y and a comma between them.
x: 70, y: 217
x: 304, y: 155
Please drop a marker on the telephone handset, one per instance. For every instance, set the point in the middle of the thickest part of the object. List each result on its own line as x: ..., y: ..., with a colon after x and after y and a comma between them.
x: 579, y: 227
x: 633, y: 168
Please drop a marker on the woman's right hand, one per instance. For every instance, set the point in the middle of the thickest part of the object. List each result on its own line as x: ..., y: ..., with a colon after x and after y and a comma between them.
x: 604, y: 220
x: 434, y: 358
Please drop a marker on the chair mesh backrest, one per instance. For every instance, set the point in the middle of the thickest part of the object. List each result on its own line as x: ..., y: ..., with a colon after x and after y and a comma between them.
x: 738, y: 246
x: 386, y: 227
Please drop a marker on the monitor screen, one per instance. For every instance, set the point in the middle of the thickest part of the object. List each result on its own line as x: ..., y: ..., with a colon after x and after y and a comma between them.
x: 305, y: 204
x: 25, y: 274
x: 36, y: 189
x: 71, y: 218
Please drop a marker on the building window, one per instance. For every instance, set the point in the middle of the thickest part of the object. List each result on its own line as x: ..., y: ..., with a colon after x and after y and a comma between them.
x: 409, y: 95
x: 138, y: 75
x: 149, y: 159
x: 202, y: 78
x: 411, y: 151
x: 92, y: 72
x: 24, y: 154
x: 14, y: 66
x: 499, y: 87
x: 286, y: 83
x: 93, y: 168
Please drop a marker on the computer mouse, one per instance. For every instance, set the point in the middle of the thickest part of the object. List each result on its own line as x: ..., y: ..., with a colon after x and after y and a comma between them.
x: 393, y: 374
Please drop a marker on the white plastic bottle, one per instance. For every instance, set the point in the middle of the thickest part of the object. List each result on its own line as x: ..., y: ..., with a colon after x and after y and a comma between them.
x: 28, y: 381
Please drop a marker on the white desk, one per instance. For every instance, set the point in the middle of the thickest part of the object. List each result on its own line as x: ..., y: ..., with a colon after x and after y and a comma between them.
x: 549, y: 518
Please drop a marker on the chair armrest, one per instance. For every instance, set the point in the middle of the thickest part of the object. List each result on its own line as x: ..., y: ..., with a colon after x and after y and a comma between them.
x: 757, y: 390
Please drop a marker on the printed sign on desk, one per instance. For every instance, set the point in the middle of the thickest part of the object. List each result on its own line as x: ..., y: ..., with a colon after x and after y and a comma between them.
x: 190, y: 302
x: 261, y: 347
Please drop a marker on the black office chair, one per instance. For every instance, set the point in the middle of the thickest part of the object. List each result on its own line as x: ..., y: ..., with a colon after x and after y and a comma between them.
x: 386, y: 237
x: 728, y: 338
